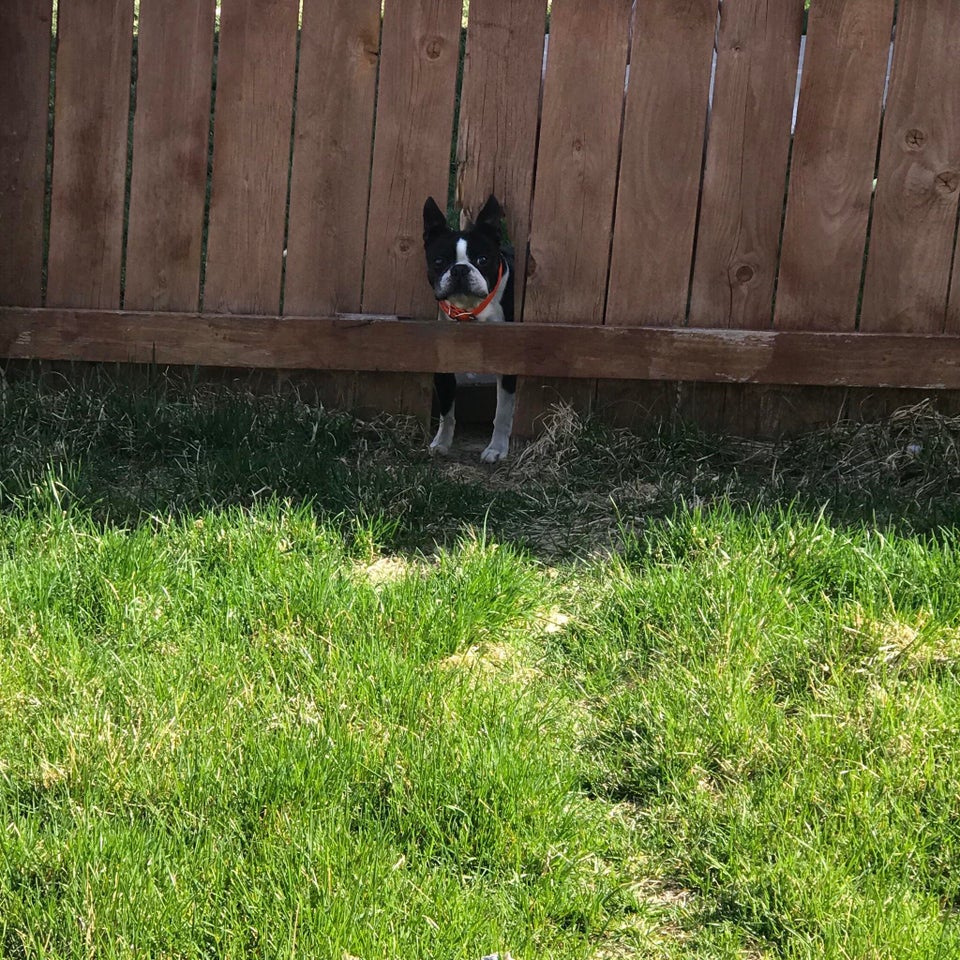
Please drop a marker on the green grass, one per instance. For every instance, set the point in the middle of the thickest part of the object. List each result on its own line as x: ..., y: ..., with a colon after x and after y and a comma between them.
x: 222, y: 737
x: 274, y: 683
x: 777, y: 700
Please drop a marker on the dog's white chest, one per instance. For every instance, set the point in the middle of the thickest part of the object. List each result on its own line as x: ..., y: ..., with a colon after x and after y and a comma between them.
x: 492, y: 314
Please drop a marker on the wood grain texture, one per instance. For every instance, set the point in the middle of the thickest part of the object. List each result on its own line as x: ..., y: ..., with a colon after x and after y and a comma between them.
x: 745, y: 174
x: 577, y: 161
x: 499, y: 107
x: 744, y: 180
x: 330, y: 186
x: 576, y: 184
x: 24, y: 88
x: 168, y: 183
x: 420, y: 44
x: 94, y: 49
x: 661, y: 161
x: 251, y: 152
x: 366, y: 342
x: 330, y: 181
x: 658, y: 195
x: 411, y: 155
x: 832, y: 165
x: 915, y: 211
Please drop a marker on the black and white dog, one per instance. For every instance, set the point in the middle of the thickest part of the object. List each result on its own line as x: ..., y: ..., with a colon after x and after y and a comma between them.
x: 472, y: 279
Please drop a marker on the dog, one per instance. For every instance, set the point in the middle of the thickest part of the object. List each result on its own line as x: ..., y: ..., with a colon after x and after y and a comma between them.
x: 472, y: 279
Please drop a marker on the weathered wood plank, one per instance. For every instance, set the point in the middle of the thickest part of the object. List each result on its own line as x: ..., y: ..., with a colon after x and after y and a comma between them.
x: 745, y: 174
x: 365, y: 342
x: 735, y: 266
x: 576, y: 183
x: 251, y: 152
x: 170, y: 131
x: 330, y: 181
x: 499, y: 107
x: 411, y: 155
x: 658, y: 196
x: 831, y: 170
x: 918, y: 186
x: 831, y: 180
x: 419, y: 49
x: 94, y: 49
x: 24, y: 87
x: 661, y: 161
x: 577, y: 161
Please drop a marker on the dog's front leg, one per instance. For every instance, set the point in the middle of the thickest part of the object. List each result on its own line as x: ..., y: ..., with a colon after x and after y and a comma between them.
x: 445, y: 385
x: 499, y: 445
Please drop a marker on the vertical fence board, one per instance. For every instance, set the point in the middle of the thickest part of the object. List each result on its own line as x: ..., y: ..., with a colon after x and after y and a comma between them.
x: 831, y: 169
x: 660, y: 166
x: 577, y: 161
x: 24, y: 87
x: 915, y: 212
x: 576, y: 183
x: 94, y: 48
x: 171, y: 128
x: 735, y: 267
x: 411, y: 154
x: 411, y: 161
x: 499, y: 108
x: 657, y: 200
x: 330, y: 180
x: 251, y: 151
x: 339, y: 50
x: 831, y: 179
x: 745, y: 174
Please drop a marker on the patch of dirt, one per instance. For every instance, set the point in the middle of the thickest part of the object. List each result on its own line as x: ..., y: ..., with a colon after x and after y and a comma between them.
x: 387, y: 569
x: 489, y: 660
x: 463, y: 464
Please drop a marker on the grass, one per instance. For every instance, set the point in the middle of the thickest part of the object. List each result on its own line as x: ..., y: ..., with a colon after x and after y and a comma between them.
x: 223, y: 737
x: 776, y: 702
x: 274, y: 683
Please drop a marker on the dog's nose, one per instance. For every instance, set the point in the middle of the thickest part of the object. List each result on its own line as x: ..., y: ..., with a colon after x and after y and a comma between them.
x: 460, y: 271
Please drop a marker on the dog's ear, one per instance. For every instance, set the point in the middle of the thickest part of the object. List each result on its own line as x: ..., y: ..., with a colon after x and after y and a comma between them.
x: 489, y: 216
x: 434, y: 220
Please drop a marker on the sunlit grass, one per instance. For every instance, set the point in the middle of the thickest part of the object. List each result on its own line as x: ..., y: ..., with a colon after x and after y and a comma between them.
x: 274, y: 683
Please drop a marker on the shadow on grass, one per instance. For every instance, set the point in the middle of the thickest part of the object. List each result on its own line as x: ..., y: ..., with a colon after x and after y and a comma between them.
x: 163, y: 446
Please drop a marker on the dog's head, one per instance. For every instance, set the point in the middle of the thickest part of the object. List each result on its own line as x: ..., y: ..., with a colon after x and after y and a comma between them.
x: 462, y: 265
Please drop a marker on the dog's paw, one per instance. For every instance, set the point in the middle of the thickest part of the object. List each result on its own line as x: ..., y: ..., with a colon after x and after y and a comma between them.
x: 495, y: 452
x: 443, y: 439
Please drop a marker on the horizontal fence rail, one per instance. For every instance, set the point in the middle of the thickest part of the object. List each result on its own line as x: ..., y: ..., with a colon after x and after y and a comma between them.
x: 732, y: 192
x: 384, y: 343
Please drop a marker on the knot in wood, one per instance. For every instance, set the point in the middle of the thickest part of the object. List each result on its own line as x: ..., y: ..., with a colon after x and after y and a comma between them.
x: 366, y: 48
x: 744, y: 273
x: 948, y: 181
x: 433, y: 47
x: 915, y: 139
x: 404, y: 244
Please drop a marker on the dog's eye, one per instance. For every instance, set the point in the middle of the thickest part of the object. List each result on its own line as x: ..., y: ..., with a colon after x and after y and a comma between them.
x: 438, y: 262
x: 481, y: 261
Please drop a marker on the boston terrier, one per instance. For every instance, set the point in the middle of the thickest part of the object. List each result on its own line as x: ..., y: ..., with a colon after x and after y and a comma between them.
x: 472, y: 279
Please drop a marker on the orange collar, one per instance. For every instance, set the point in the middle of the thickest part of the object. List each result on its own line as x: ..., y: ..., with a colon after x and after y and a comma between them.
x: 458, y: 313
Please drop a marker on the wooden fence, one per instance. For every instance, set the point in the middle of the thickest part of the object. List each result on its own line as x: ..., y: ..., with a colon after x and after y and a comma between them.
x: 242, y: 185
